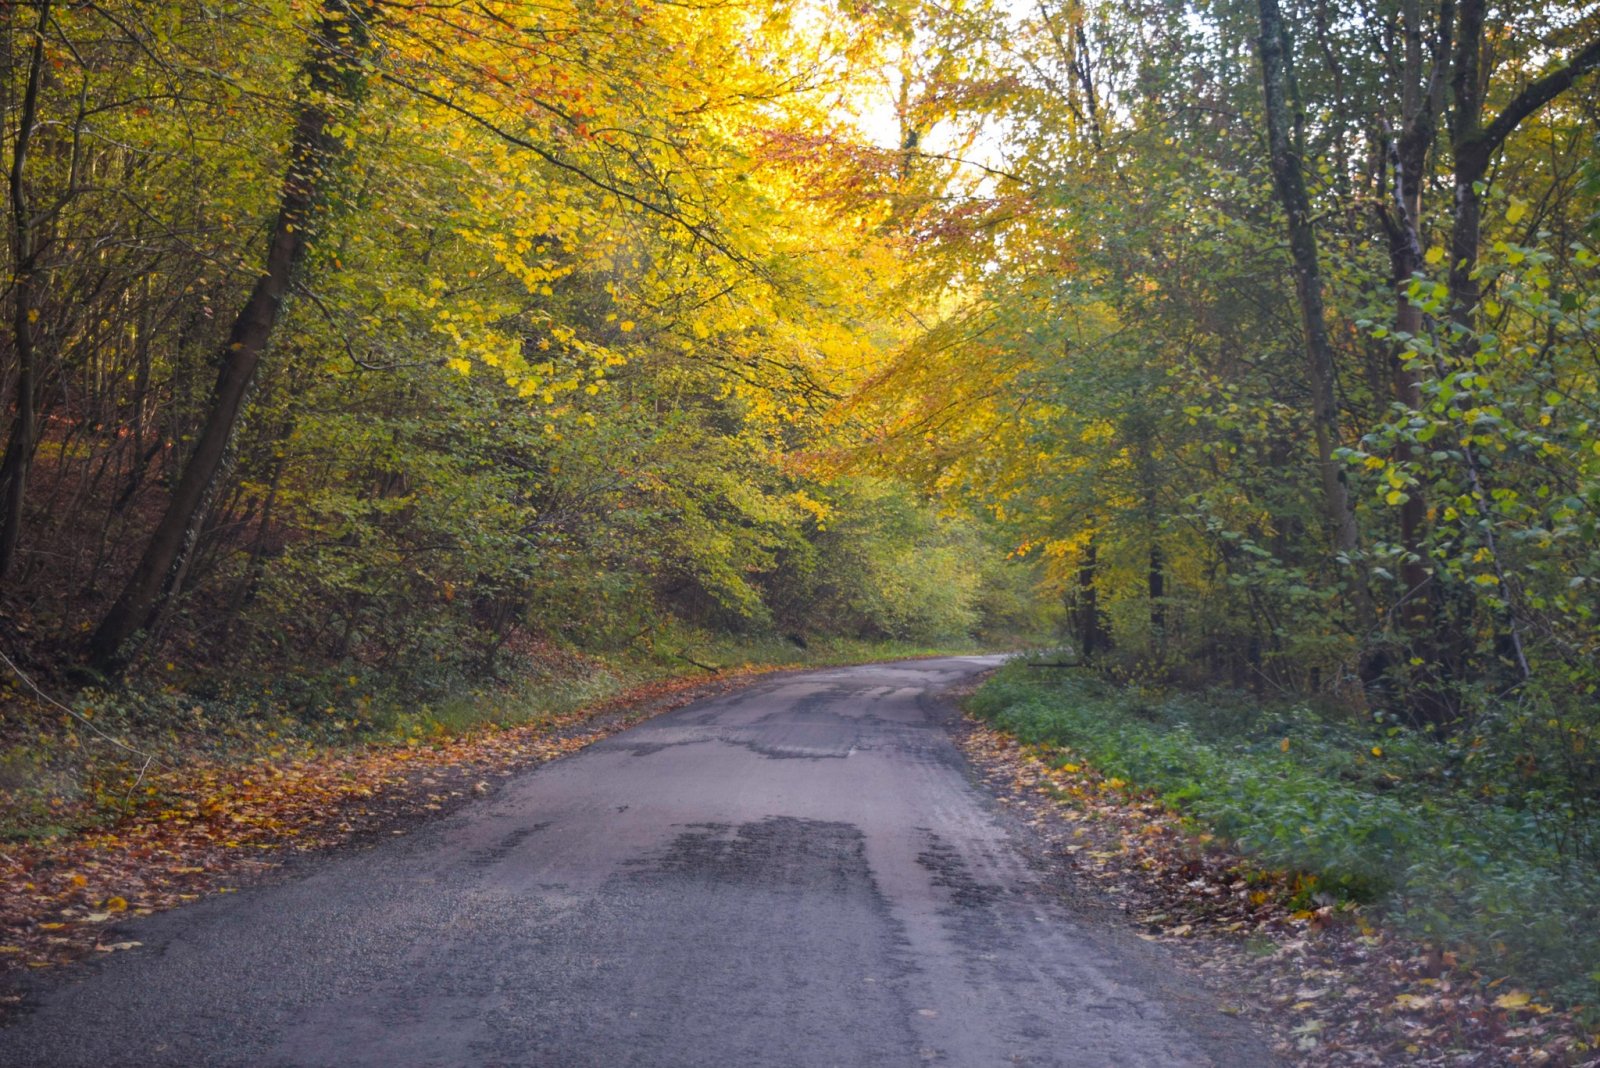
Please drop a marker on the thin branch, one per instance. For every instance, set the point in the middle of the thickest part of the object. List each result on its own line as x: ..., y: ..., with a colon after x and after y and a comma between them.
x: 697, y: 230
x: 1536, y: 94
x: 973, y: 163
x: 79, y: 716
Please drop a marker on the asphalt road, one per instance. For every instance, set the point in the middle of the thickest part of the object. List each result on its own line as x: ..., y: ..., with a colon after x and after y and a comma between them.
x: 797, y: 874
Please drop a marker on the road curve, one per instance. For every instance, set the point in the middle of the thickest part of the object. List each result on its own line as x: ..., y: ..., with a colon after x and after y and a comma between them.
x: 796, y: 874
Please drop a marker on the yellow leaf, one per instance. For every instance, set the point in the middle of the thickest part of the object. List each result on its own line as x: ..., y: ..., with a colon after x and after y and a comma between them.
x: 1435, y: 256
x: 625, y: 326
x: 79, y: 880
x: 1516, y: 211
x: 1512, y: 999
x: 1284, y: 745
x: 116, y: 904
x: 1377, y: 750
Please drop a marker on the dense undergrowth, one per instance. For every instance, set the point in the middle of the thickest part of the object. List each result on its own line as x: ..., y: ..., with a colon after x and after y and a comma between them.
x: 1425, y: 830
x: 68, y: 768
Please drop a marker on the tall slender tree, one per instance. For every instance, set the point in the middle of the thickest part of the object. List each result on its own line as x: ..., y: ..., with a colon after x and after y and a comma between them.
x: 1286, y: 147
x: 24, y: 313
x: 337, y: 70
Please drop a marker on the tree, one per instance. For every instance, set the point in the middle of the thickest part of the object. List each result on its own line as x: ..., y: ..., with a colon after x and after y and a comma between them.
x: 1285, y: 140
x: 336, y: 75
x: 24, y: 263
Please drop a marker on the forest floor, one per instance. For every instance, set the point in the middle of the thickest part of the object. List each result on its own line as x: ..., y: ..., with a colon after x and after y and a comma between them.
x: 1334, y: 987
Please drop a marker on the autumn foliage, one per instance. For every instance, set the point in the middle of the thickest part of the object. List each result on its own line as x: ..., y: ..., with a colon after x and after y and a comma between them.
x: 363, y: 357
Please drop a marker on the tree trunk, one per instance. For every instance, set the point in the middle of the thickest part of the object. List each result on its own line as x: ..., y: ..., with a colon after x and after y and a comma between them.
x: 1156, y: 587
x: 337, y: 76
x: 1091, y: 630
x: 24, y: 256
x: 1283, y: 141
x: 1471, y: 154
x: 1421, y: 100
x: 1473, y: 145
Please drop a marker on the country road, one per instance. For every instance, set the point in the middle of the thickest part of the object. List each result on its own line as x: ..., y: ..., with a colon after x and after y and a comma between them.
x: 800, y: 873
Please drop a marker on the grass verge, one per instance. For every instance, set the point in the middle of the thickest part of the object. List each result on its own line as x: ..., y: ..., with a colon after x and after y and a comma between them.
x: 1378, y: 815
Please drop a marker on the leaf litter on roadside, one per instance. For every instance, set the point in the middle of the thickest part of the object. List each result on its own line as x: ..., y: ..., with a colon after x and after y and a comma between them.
x: 206, y: 827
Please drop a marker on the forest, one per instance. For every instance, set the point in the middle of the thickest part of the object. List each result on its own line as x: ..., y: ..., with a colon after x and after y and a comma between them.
x: 363, y: 357
x: 378, y: 338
